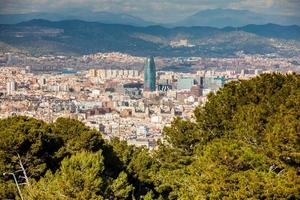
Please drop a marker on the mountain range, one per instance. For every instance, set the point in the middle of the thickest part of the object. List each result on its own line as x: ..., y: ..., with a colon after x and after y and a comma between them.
x: 75, y: 37
x: 213, y: 17
x: 231, y: 17
x: 103, y: 17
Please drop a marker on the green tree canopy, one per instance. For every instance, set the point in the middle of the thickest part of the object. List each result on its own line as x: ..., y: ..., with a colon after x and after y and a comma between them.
x: 244, y: 143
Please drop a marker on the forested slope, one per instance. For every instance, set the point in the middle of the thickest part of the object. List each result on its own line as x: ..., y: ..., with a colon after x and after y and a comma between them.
x: 244, y: 143
x: 75, y: 37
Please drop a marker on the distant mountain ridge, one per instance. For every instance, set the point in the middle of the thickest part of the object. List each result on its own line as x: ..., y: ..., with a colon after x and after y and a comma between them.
x: 236, y: 18
x: 270, y: 30
x: 103, y: 17
x: 212, y: 17
x: 80, y: 37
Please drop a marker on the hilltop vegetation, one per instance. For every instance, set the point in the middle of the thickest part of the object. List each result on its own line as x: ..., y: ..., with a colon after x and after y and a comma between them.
x: 244, y: 143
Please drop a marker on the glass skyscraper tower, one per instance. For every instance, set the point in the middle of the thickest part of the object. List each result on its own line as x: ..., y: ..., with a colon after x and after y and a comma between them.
x: 149, y: 75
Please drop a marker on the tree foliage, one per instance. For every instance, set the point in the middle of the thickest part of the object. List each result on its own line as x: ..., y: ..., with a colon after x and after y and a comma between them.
x: 243, y: 144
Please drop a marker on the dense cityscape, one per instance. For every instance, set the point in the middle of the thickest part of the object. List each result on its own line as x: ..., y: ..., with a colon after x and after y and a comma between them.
x: 133, y: 104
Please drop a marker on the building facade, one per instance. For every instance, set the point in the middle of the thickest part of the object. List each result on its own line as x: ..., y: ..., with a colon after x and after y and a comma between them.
x: 150, y: 75
x: 11, y: 87
x: 185, y: 83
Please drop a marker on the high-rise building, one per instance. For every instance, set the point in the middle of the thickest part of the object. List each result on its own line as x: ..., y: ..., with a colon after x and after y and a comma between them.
x: 11, y: 87
x: 149, y: 75
x: 101, y: 73
x: 92, y: 73
x: 214, y: 82
x: 42, y: 81
x: 185, y: 83
x: 196, y: 91
x: 28, y: 69
x: 9, y: 59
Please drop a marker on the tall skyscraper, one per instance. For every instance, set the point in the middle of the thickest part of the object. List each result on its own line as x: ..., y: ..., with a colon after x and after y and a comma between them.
x: 149, y: 75
x: 11, y: 87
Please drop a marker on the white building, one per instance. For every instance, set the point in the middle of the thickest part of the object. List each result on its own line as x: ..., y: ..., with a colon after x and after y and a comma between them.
x: 142, y: 131
x: 11, y: 87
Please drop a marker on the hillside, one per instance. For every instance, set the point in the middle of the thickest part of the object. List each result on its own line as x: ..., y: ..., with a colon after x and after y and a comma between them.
x: 80, y: 37
x: 244, y: 143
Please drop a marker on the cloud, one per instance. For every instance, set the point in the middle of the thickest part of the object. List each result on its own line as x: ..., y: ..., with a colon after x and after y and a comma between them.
x: 279, y: 7
x: 252, y: 4
x: 286, y: 7
x: 155, y: 10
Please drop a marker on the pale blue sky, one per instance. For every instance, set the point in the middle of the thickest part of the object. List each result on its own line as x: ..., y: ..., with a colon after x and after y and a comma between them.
x: 153, y: 10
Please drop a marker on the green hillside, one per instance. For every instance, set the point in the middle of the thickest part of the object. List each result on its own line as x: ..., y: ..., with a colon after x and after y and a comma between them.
x: 74, y: 37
